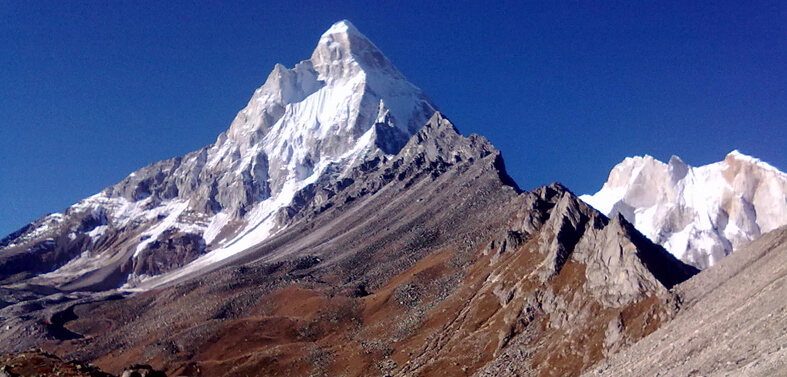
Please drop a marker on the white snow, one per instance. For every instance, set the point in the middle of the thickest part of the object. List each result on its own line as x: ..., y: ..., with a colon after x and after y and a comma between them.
x: 49, y: 223
x: 705, y: 211
x: 215, y: 226
x: 341, y: 27
x: 605, y: 199
x: 97, y: 231
x: 172, y: 211
x: 261, y: 220
x: 678, y: 242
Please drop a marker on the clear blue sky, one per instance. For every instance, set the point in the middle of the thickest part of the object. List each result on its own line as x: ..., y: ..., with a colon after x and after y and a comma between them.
x: 90, y: 91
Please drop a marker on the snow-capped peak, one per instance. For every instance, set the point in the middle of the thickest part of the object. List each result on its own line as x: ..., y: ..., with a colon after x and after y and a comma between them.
x: 318, y: 113
x: 700, y: 214
x: 343, y: 27
x: 344, y: 104
x: 736, y: 155
x: 344, y: 51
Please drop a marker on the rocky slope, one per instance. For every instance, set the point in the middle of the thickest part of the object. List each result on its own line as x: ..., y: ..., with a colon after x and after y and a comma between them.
x: 733, y: 321
x: 700, y: 214
x: 428, y: 263
x: 345, y: 104
x: 36, y: 363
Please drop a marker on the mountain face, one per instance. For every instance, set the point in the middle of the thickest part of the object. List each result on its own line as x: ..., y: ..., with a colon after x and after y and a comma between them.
x: 700, y: 214
x: 341, y: 226
x: 345, y: 104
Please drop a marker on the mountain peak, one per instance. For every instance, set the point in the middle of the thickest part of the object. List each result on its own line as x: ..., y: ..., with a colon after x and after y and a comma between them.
x: 346, y: 103
x: 343, y: 52
x: 737, y: 155
x: 343, y: 27
x: 439, y: 120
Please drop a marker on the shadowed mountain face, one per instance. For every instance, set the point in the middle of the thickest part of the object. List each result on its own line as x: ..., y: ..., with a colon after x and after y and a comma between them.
x: 415, y: 254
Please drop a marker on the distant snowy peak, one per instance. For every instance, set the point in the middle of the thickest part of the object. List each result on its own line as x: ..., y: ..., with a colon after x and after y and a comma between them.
x: 700, y: 214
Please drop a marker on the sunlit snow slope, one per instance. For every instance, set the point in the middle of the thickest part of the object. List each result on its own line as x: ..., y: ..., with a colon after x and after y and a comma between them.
x: 700, y: 214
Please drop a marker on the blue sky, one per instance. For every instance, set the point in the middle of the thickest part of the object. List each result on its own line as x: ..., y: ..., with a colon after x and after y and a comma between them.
x: 90, y: 91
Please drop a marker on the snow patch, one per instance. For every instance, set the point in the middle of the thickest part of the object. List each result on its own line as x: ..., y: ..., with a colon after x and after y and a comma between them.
x: 172, y: 211
x: 97, y: 231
